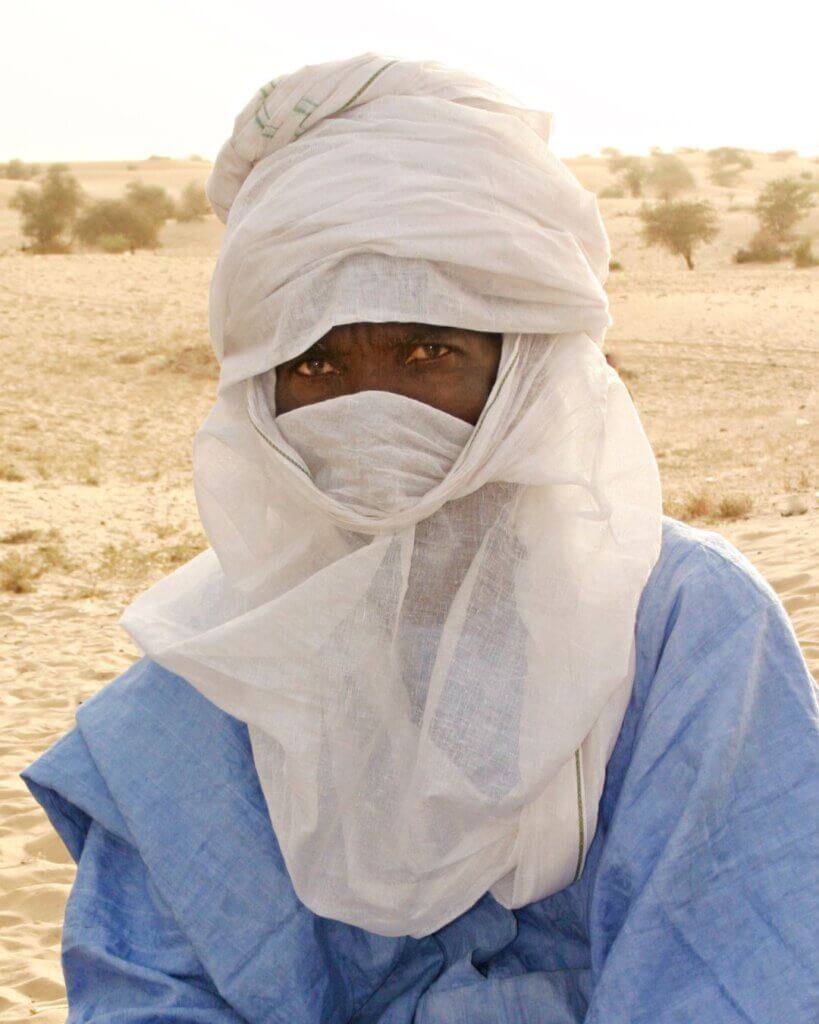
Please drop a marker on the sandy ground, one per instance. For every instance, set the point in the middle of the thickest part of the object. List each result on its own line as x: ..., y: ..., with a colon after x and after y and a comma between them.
x: 106, y: 374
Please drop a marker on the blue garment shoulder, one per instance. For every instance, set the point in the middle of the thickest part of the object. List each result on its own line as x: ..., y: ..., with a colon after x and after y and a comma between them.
x: 718, y: 742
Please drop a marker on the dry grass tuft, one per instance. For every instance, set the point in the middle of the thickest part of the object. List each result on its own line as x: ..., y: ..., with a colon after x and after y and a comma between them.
x: 19, y: 570
x: 20, y: 537
x: 194, y: 361
x: 56, y: 461
x: 130, y: 358
x: 132, y: 565
x: 10, y: 473
x: 802, y: 481
x: 735, y: 506
x: 18, y: 573
x: 706, y: 506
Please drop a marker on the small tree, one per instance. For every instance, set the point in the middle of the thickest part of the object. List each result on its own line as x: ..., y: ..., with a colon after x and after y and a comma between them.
x: 668, y: 176
x: 679, y: 226
x: 116, y: 219
x: 782, y: 204
x: 631, y: 170
x: 49, y: 211
x: 193, y: 203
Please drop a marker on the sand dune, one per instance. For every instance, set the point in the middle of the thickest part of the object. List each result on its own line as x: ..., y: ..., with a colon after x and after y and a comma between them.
x: 106, y: 374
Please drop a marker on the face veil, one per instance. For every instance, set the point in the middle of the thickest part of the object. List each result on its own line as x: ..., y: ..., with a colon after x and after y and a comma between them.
x: 427, y: 626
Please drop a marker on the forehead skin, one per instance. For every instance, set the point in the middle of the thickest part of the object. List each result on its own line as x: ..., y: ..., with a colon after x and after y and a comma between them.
x: 450, y: 368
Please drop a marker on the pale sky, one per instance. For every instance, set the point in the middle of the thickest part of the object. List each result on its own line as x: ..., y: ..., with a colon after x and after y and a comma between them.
x: 109, y: 80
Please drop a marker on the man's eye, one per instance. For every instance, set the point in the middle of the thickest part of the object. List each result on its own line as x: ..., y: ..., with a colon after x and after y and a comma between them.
x: 313, y: 367
x: 429, y: 350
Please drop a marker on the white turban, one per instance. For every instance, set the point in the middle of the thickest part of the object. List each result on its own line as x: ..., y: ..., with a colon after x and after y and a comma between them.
x: 428, y: 627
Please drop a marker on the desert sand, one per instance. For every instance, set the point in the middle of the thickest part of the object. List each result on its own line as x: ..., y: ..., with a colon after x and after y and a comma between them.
x: 106, y: 374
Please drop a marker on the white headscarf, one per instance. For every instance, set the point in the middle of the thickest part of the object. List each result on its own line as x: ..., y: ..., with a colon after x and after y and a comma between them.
x: 428, y: 627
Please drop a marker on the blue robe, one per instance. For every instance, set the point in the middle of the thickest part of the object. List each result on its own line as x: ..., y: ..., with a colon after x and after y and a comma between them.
x: 698, y: 904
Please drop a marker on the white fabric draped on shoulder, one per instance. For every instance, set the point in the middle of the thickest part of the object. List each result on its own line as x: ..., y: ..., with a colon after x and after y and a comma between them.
x: 428, y: 626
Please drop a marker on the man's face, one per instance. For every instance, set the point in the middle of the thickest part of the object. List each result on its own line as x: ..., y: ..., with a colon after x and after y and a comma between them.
x: 447, y: 367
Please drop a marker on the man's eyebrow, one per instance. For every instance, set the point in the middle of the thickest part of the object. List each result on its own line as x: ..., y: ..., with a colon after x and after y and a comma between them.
x: 318, y: 348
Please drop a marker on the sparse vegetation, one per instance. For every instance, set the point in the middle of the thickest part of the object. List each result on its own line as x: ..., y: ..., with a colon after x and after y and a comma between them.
x: 193, y: 203
x: 117, y: 225
x: 679, y: 227
x: 49, y: 211
x: 704, y: 505
x: 803, y: 254
x: 612, y: 192
x: 779, y: 208
x: 194, y: 361
x: 17, y: 573
x: 19, y: 570
x: 152, y: 201
x: 10, y: 473
x: 24, y: 536
x: 730, y: 156
x: 782, y: 204
x: 18, y: 170
x: 727, y: 164
x: 763, y: 248
x: 129, y: 563
x: 668, y: 176
x: 781, y: 155
x: 106, y: 223
x: 631, y: 170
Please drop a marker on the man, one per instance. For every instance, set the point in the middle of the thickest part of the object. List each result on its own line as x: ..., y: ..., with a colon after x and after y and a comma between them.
x: 449, y: 724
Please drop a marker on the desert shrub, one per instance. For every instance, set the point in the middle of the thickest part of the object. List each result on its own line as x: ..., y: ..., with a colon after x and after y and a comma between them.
x: 609, y: 152
x: 803, y: 254
x: 113, y: 243
x: 193, y: 203
x: 17, y: 170
x: 782, y: 204
x: 725, y: 177
x: 679, y: 227
x: 668, y: 176
x: 150, y: 200
x: 806, y: 175
x: 631, y: 170
x: 108, y: 219
x: 781, y: 155
x: 764, y: 247
x: 615, y: 265
x: 49, y: 210
x: 612, y: 192
x: 730, y: 156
